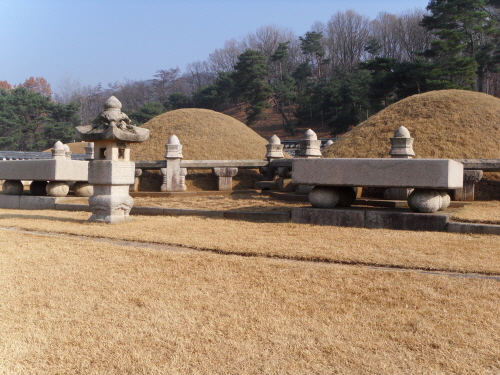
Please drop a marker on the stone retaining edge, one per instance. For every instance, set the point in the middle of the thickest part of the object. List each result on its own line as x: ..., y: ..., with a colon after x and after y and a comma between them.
x: 454, y: 227
x: 14, y: 202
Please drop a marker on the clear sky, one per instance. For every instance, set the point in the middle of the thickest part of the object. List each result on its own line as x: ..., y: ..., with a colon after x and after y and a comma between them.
x: 104, y: 41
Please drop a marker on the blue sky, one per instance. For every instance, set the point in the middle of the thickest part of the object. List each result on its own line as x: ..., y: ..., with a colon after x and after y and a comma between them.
x: 94, y: 41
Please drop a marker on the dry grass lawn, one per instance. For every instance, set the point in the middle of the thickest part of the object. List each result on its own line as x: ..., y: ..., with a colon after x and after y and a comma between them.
x: 417, y: 250
x: 77, y: 306
x: 253, y: 202
x: 479, y: 212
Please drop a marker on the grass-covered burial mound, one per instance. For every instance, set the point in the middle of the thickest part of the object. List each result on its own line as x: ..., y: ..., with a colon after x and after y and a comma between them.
x: 454, y: 124
x: 204, y: 135
x: 450, y: 124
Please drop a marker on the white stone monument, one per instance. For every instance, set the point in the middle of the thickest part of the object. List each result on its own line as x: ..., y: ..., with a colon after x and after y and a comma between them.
x: 174, y: 177
x: 111, y: 172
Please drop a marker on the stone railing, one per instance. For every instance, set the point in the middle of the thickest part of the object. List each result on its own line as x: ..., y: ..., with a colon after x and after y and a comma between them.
x: 224, y: 170
x: 276, y: 170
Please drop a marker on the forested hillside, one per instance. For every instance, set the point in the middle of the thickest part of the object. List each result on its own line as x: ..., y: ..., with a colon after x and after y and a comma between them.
x: 332, y: 78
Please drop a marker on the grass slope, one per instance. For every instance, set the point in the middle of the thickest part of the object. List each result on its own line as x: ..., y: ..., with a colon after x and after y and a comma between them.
x: 204, y: 134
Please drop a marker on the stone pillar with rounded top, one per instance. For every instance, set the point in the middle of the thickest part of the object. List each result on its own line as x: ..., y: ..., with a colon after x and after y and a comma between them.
x: 67, y: 152
x: 274, y: 151
x: 328, y: 144
x: 309, y: 148
x: 401, y: 148
x: 111, y: 172
x: 402, y: 144
x: 174, y: 177
x: 309, y: 145
x: 53, y: 188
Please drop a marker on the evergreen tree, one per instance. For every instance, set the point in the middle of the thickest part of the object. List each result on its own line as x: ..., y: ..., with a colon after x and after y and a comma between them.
x: 346, y: 100
x: 311, y: 46
x: 148, y: 111
x: 284, y: 86
x: 218, y: 95
x: 30, y: 121
x: 466, y: 45
x: 177, y: 100
x: 250, y: 78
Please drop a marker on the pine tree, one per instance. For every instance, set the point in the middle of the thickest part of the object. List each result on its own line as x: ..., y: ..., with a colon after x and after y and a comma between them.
x: 466, y: 45
x: 250, y: 77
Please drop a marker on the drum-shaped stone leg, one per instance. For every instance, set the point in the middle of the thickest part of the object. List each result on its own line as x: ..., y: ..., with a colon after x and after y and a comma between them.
x: 83, y: 189
x: 445, y: 200
x: 425, y: 200
x: 57, y: 188
x: 38, y: 188
x: 324, y: 196
x: 347, y: 196
x: 12, y: 187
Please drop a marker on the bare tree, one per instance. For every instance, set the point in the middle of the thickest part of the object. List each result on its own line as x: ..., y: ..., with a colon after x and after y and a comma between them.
x: 386, y: 30
x: 199, y: 75
x: 346, y: 35
x: 164, y: 83
x: 132, y: 94
x: 224, y: 59
x: 413, y: 37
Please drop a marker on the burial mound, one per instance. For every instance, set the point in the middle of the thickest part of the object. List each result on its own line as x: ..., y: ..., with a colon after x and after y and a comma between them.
x: 455, y: 124
x: 204, y: 134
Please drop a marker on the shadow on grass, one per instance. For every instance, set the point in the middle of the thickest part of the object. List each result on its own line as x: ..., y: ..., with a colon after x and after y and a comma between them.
x: 42, y: 217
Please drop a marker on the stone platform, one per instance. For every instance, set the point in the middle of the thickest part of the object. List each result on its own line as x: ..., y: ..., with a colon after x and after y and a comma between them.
x: 373, y: 218
x: 29, y: 202
x: 360, y: 217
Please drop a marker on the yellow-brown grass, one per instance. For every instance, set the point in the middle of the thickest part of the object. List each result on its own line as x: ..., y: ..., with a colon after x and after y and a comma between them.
x: 75, y: 306
x: 453, y: 124
x: 436, y: 251
x: 204, y: 134
x: 479, y: 212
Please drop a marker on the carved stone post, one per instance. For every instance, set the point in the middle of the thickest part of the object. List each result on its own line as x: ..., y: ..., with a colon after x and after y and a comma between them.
x: 309, y: 148
x: 402, y: 144
x: 327, y: 144
x: 471, y: 177
x: 309, y: 145
x: 401, y: 148
x: 274, y: 151
x: 83, y: 188
x: 225, y: 177
x: 89, y: 151
x: 111, y: 171
x: 173, y: 175
x: 67, y: 152
x: 137, y: 180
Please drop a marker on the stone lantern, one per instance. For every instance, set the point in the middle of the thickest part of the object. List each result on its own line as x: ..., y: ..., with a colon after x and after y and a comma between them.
x: 111, y: 172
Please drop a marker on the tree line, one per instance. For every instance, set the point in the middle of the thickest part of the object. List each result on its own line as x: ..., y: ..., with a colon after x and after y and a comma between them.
x: 337, y: 74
